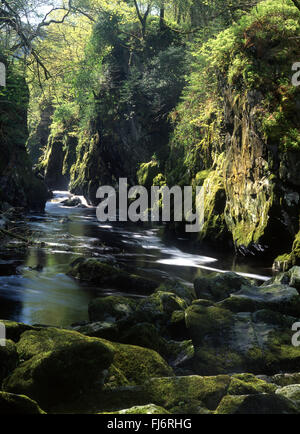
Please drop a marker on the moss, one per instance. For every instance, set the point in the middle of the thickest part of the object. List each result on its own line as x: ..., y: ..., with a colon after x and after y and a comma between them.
x: 188, y: 392
x: 139, y: 364
x: 145, y: 409
x: 256, y: 404
x: 147, y: 173
x: 11, y: 404
x: 60, y: 366
x: 246, y: 384
x: 14, y: 330
x: 96, y: 272
x: 288, y: 260
x: 114, y: 308
x: 207, y: 322
x: 9, y: 359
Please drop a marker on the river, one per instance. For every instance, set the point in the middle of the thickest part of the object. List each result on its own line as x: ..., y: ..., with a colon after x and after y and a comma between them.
x: 34, y: 286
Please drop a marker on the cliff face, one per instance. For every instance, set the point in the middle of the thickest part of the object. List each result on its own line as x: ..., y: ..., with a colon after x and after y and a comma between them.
x: 140, y: 85
x: 18, y: 185
x: 241, y: 141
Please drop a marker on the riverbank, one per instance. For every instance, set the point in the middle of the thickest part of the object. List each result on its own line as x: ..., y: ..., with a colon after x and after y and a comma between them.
x: 223, y: 347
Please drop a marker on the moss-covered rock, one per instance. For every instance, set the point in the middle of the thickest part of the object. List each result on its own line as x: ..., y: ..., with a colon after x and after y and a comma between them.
x: 288, y: 260
x: 256, y: 404
x: 187, y: 394
x: 292, y: 393
x: 59, y: 365
x: 139, y: 364
x: 274, y: 297
x: 219, y: 287
x: 14, y: 330
x: 111, y: 309
x: 147, y: 173
x: 144, y: 409
x: 96, y: 272
x: 248, y: 384
x: 283, y: 380
x: 9, y: 359
x: 224, y: 341
x: 11, y: 404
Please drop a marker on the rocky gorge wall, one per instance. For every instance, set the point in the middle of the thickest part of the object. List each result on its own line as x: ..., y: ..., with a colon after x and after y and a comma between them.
x: 19, y: 187
x: 240, y: 138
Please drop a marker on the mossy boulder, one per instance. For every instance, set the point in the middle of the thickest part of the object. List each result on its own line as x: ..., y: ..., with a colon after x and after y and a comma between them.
x: 14, y: 330
x: 59, y: 365
x: 256, y: 404
x: 248, y: 384
x: 139, y: 364
x: 147, y: 173
x: 11, y: 404
x: 9, y: 359
x: 111, y: 309
x: 219, y: 287
x: 187, y: 394
x: 184, y: 292
x: 275, y: 297
x: 143, y: 335
x: 292, y: 393
x: 224, y: 341
x: 96, y: 272
x: 103, y: 329
x: 283, y: 380
x: 207, y: 323
x: 143, y: 409
x: 288, y: 260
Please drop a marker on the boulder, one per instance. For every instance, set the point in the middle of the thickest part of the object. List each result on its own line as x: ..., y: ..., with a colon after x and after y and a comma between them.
x: 276, y: 297
x: 219, y: 287
x: 143, y: 409
x: 103, y: 275
x: 292, y: 393
x: 111, y: 309
x: 59, y: 366
x: 187, y: 395
x: 248, y: 384
x: 9, y: 359
x: 11, y: 404
x: 225, y: 342
x: 256, y: 404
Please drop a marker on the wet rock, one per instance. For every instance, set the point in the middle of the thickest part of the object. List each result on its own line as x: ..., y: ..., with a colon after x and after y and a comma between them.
x: 72, y: 202
x: 292, y: 393
x: 225, y: 342
x: 256, y: 404
x: 286, y: 379
x: 104, y: 330
x: 219, y: 287
x: 145, y: 409
x: 279, y: 298
x: 9, y: 359
x: 187, y: 394
x: 14, y: 330
x: 59, y: 366
x: 96, y: 272
x: 248, y: 384
x: 11, y: 404
x: 111, y: 309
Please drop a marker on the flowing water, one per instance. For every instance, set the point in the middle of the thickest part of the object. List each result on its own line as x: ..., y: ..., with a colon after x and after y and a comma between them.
x: 35, y: 289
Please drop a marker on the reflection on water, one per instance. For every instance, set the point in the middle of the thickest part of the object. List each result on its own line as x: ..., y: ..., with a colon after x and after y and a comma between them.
x: 36, y: 290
